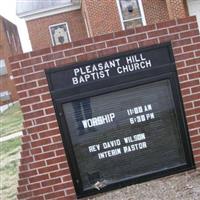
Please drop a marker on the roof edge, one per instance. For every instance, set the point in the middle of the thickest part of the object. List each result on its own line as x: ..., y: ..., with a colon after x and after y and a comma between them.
x: 48, y: 12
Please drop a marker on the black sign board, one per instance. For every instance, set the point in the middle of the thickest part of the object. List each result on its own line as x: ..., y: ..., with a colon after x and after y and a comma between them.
x: 121, y: 119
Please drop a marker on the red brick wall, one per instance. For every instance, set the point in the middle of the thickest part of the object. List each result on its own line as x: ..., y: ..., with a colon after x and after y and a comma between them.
x: 155, y: 11
x: 102, y: 16
x: 176, y: 8
x: 43, y: 171
x: 39, y: 28
x: 8, y: 49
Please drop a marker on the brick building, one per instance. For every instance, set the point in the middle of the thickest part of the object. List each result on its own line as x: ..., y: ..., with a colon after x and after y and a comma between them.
x: 82, y: 19
x: 70, y: 37
x: 9, y: 46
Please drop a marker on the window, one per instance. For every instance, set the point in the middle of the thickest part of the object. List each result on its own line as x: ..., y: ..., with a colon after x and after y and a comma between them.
x: 3, y: 69
x: 5, y: 96
x: 8, y: 36
x: 137, y: 111
x: 131, y: 13
x: 59, y: 34
x: 14, y: 42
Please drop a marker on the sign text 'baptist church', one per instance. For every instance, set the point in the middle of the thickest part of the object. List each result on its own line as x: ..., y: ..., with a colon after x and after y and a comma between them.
x: 101, y: 70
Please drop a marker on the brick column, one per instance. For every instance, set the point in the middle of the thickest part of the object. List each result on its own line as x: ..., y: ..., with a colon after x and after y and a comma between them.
x: 101, y: 17
x: 176, y: 8
x: 44, y: 173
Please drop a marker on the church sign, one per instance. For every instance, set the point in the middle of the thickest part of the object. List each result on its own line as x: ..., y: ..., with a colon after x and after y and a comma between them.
x: 121, y: 118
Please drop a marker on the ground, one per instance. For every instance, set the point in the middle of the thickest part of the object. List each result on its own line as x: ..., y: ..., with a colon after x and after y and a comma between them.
x: 184, y: 186
x: 10, y: 121
x: 9, y: 161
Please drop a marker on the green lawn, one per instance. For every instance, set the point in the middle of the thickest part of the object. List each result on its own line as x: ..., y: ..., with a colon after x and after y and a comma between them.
x: 11, y: 120
x: 9, y: 161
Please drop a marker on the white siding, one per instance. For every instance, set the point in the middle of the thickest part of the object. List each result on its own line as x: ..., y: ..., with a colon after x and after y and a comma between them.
x: 194, y: 9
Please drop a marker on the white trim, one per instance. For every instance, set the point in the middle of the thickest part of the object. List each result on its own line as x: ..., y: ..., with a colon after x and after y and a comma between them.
x: 141, y: 12
x: 45, y: 13
x: 13, y: 39
x: 120, y: 15
x: 86, y: 24
x: 129, y: 20
x: 58, y: 25
x: 13, y: 135
x: 8, y: 36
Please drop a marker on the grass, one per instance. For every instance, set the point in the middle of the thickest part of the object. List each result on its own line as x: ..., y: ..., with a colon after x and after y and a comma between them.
x: 9, y: 161
x: 8, y: 146
x: 11, y: 120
